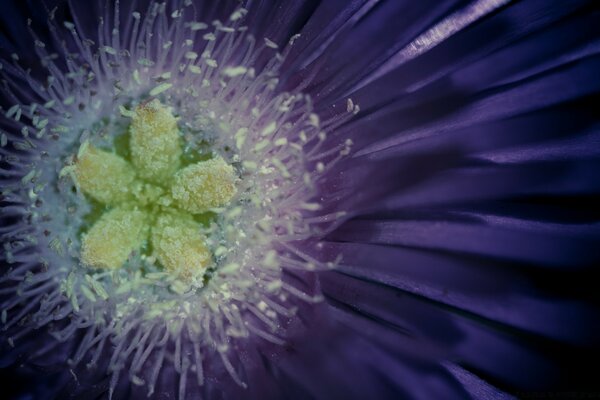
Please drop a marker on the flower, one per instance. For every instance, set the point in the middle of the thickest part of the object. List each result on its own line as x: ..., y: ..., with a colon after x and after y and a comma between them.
x: 434, y: 242
x: 176, y: 194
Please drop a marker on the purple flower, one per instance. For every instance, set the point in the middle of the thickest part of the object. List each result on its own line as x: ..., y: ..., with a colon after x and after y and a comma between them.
x: 303, y: 199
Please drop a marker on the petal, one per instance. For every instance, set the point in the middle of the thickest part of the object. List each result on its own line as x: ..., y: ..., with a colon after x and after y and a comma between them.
x: 544, y: 247
x: 204, y: 185
x: 179, y: 245
x: 155, y: 145
x: 114, y: 236
x: 104, y: 176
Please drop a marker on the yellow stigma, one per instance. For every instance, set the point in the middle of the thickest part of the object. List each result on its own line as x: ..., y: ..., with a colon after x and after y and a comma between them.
x: 151, y: 198
x: 155, y: 142
x: 93, y: 163
x: 179, y: 246
x: 204, y: 185
x: 114, y: 237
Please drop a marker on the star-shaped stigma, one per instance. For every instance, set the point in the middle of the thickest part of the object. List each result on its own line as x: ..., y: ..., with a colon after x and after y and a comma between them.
x: 152, y: 199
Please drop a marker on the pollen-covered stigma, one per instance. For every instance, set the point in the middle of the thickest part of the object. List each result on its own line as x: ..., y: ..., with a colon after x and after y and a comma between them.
x: 152, y: 199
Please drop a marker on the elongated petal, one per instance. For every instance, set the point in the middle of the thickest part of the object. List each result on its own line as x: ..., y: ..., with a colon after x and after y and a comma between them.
x: 113, y: 237
x: 104, y: 176
x: 155, y: 146
x: 204, y: 185
x: 179, y: 245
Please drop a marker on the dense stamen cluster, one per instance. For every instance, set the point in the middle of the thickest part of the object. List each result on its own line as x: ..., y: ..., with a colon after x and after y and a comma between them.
x: 227, y: 192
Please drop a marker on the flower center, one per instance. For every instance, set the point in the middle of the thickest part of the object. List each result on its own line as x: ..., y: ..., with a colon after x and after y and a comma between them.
x: 151, y: 202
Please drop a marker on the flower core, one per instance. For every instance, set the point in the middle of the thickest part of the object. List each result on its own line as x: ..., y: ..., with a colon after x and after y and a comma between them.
x: 153, y: 199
